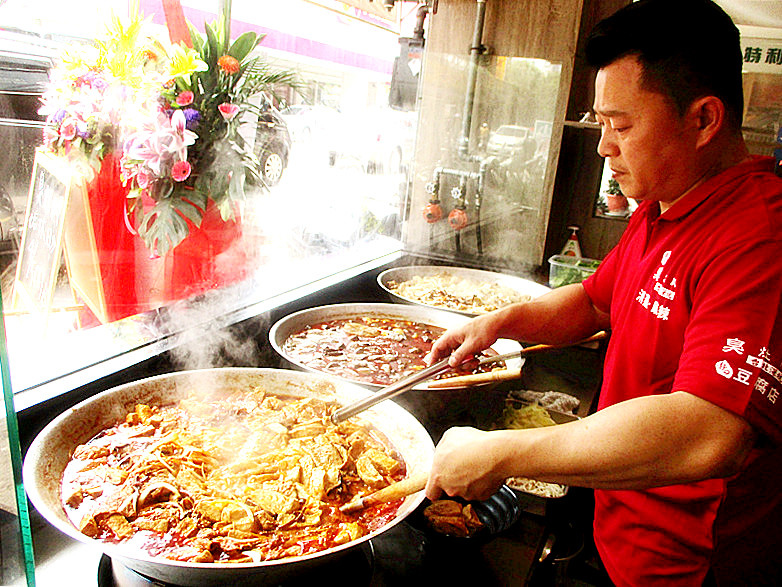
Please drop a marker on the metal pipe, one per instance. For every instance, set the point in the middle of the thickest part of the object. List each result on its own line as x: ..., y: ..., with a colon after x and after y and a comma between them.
x: 438, y: 171
x: 420, y: 17
x: 472, y: 77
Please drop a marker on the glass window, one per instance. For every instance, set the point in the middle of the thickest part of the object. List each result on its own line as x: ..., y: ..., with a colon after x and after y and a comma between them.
x: 161, y: 187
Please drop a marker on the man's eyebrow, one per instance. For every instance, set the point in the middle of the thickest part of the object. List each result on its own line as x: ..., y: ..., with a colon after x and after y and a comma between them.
x: 610, y: 113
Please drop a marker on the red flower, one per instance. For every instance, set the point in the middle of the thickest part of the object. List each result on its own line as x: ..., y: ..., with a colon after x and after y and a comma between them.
x: 180, y: 171
x: 185, y: 98
x: 228, y: 110
x: 228, y: 64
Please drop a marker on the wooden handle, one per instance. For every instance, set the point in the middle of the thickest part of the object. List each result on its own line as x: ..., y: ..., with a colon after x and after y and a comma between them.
x: 476, y: 379
x: 507, y: 374
x: 394, y: 491
x: 539, y: 348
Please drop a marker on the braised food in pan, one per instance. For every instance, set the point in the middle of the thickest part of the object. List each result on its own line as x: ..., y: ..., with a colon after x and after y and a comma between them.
x: 369, y: 349
x: 454, y: 292
x: 244, y: 476
x: 452, y: 518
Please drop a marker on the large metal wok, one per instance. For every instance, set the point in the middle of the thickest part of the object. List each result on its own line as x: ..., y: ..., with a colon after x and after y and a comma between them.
x: 438, y: 409
x: 49, y: 453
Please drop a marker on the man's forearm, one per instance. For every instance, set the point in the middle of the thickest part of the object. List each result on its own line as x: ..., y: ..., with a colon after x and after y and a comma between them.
x: 641, y: 443
x: 565, y: 314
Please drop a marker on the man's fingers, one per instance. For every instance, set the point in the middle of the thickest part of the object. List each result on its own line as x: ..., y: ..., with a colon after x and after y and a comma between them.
x: 433, y: 492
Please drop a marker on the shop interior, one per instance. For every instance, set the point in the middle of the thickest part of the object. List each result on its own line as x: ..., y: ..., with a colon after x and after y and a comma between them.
x: 490, y: 166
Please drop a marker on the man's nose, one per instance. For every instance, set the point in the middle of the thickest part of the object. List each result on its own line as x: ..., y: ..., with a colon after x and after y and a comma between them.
x: 607, y: 146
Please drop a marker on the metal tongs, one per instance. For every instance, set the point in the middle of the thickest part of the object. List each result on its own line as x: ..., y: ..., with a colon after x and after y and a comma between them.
x: 410, y: 381
x: 389, y: 391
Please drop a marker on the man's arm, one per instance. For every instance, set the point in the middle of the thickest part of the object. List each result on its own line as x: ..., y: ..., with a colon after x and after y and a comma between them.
x: 640, y: 443
x: 565, y: 314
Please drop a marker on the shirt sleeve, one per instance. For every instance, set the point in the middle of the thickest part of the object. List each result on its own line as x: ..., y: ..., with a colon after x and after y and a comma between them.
x: 599, y: 285
x: 733, y: 342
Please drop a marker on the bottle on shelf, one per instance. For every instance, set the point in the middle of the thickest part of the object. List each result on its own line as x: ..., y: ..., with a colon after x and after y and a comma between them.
x: 572, y: 248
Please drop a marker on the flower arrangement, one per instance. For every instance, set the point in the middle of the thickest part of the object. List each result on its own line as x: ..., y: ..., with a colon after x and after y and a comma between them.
x: 172, y: 114
x: 86, y: 101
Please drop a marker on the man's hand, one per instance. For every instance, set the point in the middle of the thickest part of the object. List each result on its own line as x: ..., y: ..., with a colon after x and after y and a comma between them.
x: 463, y: 342
x: 467, y: 463
x: 640, y: 443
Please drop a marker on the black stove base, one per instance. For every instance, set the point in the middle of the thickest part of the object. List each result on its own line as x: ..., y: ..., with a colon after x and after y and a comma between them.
x: 411, y: 554
x: 396, y: 557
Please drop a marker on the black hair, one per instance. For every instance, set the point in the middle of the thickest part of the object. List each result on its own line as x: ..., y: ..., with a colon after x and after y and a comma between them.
x: 688, y: 49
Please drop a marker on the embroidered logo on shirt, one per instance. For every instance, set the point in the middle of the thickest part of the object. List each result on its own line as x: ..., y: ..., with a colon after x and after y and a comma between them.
x: 663, y: 288
x: 762, y: 361
x: 734, y: 345
x: 723, y: 368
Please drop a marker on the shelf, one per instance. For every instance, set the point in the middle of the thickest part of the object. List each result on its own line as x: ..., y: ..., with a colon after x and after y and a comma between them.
x: 575, y: 124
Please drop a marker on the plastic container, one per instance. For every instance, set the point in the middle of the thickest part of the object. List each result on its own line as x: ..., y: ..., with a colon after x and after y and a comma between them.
x: 565, y: 269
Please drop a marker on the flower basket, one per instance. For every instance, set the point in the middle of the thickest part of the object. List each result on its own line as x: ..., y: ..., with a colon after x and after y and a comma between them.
x: 159, y: 124
x: 109, y: 269
x: 210, y: 257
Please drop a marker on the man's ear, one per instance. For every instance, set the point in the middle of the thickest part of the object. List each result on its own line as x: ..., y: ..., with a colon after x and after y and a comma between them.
x: 709, y: 118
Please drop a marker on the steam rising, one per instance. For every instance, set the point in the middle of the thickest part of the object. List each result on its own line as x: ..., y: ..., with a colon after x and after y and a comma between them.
x: 205, y: 341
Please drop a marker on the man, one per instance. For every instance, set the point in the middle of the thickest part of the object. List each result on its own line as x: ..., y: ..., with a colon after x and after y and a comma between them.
x: 684, y: 450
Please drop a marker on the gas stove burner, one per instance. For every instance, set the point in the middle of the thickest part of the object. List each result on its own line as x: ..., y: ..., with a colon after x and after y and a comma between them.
x: 395, y: 557
x: 358, y: 561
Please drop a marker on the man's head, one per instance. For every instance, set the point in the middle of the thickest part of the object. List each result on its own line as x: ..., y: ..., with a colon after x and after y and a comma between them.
x: 669, y: 119
x: 687, y: 48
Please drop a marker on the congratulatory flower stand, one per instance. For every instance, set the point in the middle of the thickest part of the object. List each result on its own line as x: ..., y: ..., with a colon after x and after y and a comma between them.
x: 156, y: 126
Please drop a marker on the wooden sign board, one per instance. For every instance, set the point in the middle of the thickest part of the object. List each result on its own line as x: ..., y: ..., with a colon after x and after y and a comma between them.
x: 40, y: 252
x: 81, y: 251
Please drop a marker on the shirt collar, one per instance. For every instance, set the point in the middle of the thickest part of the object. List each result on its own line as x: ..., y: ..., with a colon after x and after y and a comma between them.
x: 688, y: 202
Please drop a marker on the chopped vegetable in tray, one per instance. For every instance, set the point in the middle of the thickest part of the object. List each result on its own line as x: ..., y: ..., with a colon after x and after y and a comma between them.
x: 531, y: 416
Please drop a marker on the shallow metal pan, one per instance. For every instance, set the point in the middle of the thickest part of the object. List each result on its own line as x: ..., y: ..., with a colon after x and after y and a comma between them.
x: 401, y: 274
x: 293, y: 323
x: 436, y: 409
x: 51, y: 449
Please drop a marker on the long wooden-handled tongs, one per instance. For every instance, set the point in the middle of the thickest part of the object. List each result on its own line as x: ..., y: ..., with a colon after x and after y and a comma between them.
x: 407, y: 383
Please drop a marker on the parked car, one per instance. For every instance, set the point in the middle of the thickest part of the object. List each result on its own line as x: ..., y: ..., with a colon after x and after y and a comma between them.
x: 509, y: 139
x: 272, y: 143
x: 380, y: 140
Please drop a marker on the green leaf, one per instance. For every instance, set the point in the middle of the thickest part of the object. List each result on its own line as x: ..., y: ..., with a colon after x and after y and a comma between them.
x: 236, y: 187
x: 243, y: 45
x: 196, y: 38
x: 165, y: 226
x: 192, y: 212
x: 198, y: 199
x: 226, y: 208
x: 212, y: 45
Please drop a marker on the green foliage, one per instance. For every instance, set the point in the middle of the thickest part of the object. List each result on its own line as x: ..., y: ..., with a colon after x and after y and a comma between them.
x: 613, y: 188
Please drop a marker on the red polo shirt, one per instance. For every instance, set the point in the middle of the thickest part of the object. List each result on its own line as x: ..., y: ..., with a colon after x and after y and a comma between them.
x: 694, y: 298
